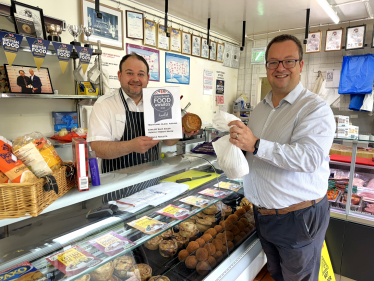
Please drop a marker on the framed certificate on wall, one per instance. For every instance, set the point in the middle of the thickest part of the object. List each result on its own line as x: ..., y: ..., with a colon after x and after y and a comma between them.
x: 355, y: 37
x: 176, y: 40
x: 150, y: 35
x: 204, y: 48
x: 186, y: 43
x: 313, y: 44
x: 196, y: 45
x: 163, y: 42
x: 213, y: 51
x: 220, y: 50
x: 334, y: 40
x: 134, y: 25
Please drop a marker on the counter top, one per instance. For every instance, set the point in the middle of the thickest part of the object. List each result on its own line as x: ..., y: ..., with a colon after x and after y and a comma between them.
x: 119, y: 179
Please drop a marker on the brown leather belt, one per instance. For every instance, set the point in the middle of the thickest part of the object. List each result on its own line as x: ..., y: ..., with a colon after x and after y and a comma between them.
x: 292, y: 208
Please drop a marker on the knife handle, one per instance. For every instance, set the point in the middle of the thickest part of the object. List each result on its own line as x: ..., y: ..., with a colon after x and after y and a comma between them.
x: 183, y: 180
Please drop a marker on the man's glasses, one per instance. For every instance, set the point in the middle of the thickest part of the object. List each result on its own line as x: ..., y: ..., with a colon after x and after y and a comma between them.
x: 287, y: 64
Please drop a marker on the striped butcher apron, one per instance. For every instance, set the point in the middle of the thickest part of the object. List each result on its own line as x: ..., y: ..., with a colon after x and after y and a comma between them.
x: 134, y: 128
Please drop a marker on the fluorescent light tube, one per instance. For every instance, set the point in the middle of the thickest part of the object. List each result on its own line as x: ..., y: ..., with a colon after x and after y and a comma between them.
x: 329, y: 10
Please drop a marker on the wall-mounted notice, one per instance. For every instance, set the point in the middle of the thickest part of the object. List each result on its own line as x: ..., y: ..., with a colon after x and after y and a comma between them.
x: 208, y: 82
x: 162, y: 116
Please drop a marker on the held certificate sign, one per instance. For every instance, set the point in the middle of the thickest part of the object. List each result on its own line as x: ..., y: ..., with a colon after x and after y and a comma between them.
x: 162, y: 116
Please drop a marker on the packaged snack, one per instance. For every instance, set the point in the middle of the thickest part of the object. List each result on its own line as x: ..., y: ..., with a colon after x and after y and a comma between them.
x: 79, y: 146
x: 24, y: 271
x: 3, y: 178
x: 37, y: 153
x: 12, y: 167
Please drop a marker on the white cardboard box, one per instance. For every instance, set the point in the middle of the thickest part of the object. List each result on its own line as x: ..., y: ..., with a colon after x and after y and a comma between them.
x: 342, y: 132
x: 341, y: 121
x: 353, y: 132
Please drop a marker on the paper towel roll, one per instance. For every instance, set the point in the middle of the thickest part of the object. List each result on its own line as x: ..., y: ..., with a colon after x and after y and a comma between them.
x: 87, y: 109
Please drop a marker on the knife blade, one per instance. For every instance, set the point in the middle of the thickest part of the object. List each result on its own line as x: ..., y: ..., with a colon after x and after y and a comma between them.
x: 191, y: 179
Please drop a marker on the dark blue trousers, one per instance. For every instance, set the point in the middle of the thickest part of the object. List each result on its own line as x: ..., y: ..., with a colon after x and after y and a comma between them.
x: 293, y: 242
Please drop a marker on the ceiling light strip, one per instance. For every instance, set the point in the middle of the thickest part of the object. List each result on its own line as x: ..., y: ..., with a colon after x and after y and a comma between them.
x: 348, y: 3
x: 368, y: 9
x: 329, y: 10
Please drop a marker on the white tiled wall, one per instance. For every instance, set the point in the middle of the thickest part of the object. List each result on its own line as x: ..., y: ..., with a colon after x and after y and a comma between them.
x: 249, y: 75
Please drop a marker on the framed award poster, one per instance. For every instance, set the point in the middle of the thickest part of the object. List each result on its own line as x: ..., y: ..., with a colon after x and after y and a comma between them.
x: 220, y: 50
x: 213, y: 51
x: 355, y: 37
x: 163, y: 42
x: 227, y: 55
x: 204, y: 48
x: 186, y: 43
x: 150, y: 35
x: 134, y: 25
x: 175, y: 40
x: 109, y: 29
x: 334, y: 40
x: 313, y: 44
x: 196, y: 45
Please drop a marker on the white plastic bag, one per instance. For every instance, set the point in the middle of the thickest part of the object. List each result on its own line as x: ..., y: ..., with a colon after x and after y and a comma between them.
x: 230, y: 158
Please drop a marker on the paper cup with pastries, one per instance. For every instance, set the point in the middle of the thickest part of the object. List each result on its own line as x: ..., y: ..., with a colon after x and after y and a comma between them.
x: 203, y: 225
x: 168, y: 248
x: 104, y: 272
x: 142, y: 271
x: 211, y: 210
x: 187, y: 229
x: 191, y: 122
x: 159, y: 278
x: 122, y: 265
x: 181, y: 241
x: 153, y: 243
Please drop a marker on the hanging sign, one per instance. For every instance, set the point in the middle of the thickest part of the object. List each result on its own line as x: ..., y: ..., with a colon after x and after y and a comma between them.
x: 63, y: 52
x: 39, y: 48
x: 11, y: 43
x: 84, y: 55
x: 208, y: 82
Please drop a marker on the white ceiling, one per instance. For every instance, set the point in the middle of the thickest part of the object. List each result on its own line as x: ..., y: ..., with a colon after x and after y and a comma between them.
x: 261, y: 15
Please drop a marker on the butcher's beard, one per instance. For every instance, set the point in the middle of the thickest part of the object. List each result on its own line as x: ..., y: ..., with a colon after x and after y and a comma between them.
x: 133, y: 93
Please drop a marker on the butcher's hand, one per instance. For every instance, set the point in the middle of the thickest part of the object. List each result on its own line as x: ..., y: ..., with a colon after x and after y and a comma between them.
x: 190, y: 134
x: 142, y: 144
x: 242, y: 136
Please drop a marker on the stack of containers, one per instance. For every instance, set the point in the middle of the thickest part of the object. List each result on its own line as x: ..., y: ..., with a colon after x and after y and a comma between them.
x: 342, y: 126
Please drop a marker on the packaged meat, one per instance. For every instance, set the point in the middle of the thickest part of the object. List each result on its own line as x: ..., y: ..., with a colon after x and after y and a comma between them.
x: 37, y: 153
x: 355, y: 200
x: 370, y: 184
x: 332, y: 194
x: 369, y: 208
x: 12, y: 167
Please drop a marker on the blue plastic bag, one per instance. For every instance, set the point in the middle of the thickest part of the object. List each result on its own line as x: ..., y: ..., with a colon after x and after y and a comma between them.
x: 357, y: 75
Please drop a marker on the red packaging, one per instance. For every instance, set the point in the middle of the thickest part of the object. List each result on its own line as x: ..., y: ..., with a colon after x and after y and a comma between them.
x: 81, y: 163
x: 73, y: 261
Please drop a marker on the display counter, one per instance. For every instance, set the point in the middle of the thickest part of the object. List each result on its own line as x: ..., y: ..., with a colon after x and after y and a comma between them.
x: 205, y: 240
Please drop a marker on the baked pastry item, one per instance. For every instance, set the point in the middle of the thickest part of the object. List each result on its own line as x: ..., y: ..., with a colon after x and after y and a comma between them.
x: 202, y: 267
x: 122, y: 265
x: 195, y: 236
x: 211, y: 210
x: 203, y: 225
x: 248, y: 207
x: 229, y: 236
x: 244, y: 221
x: 230, y: 245
x: 153, y: 243
x: 218, y: 256
x: 31, y: 276
x: 187, y: 229
x: 201, y: 241
x: 211, y: 218
x: 191, y: 122
x: 237, y: 240
x: 181, y: 241
x: 168, y: 248
x: 142, y: 271
x: 224, y: 250
x: 211, y: 231
x: 207, y: 237
x: 159, y: 278
x: 239, y: 225
x: 218, y: 228
x: 113, y: 278
x: 202, y: 254
x: 240, y: 212
x: 247, y: 229
x: 192, y: 246
x: 191, y: 262
x: 104, y: 272
x: 218, y: 244
x: 211, y: 249
x: 86, y: 277
x: 183, y: 254
x: 232, y: 218
x: 235, y: 230
x: 212, y: 262
x: 220, y: 236
x: 167, y: 234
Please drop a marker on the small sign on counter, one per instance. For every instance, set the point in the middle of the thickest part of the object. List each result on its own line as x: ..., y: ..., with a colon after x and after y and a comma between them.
x: 228, y: 185
x: 111, y: 243
x: 195, y: 201
x: 148, y: 225
x: 174, y: 212
x: 215, y: 193
x: 163, y: 113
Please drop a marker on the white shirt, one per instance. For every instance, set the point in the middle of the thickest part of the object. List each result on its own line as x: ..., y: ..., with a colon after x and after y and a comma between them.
x: 292, y: 161
x: 108, y: 117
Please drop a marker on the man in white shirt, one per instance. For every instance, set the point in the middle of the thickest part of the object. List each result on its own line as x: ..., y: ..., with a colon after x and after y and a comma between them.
x: 116, y: 128
x: 287, y: 145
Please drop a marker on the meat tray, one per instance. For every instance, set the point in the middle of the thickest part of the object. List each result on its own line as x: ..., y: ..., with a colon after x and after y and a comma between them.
x: 356, y: 208
x: 334, y: 202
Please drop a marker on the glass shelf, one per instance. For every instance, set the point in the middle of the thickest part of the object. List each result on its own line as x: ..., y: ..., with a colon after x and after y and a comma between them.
x: 354, y: 140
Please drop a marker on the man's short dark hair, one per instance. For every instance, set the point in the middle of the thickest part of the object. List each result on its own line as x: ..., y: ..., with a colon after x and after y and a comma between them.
x: 20, y: 71
x: 134, y: 55
x: 283, y: 38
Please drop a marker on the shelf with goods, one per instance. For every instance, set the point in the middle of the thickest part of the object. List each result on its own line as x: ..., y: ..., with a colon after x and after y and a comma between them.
x: 169, y: 266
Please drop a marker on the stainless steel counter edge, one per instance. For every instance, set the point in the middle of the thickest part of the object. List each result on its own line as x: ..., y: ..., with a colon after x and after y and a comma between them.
x: 117, y: 180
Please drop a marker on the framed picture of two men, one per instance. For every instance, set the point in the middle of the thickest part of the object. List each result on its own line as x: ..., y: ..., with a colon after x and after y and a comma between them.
x: 28, y: 79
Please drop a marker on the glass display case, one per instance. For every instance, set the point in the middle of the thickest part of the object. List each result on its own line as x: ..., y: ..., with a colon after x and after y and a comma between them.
x: 200, y: 229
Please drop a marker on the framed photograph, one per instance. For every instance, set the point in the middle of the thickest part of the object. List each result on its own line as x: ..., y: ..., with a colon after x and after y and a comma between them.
x: 186, y: 43
x: 31, y: 12
x: 220, y: 50
x: 213, y: 51
x: 163, y: 42
x: 134, y: 25
x: 177, y: 69
x: 196, y: 45
x: 313, y: 44
x: 204, y: 48
x: 150, y: 35
x: 28, y: 79
x: 334, y: 40
x: 109, y: 29
x: 355, y: 37
x: 152, y: 57
x: 176, y: 40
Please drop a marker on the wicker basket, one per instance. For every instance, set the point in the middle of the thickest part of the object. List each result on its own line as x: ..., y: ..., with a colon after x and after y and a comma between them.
x: 30, y: 199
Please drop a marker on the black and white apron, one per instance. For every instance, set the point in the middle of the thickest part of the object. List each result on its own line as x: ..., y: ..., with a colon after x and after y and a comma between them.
x: 134, y: 128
